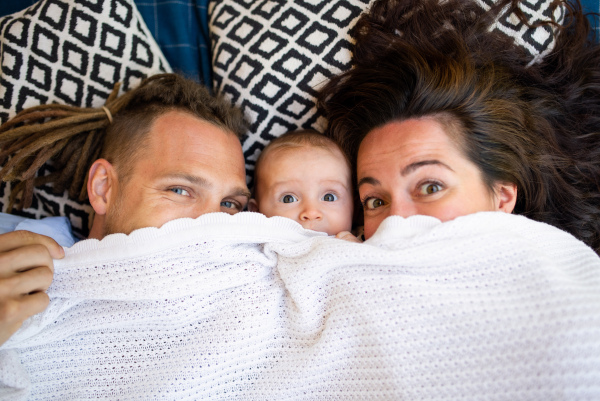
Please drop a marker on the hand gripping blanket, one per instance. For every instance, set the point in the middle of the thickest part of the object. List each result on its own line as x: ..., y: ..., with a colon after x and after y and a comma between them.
x: 489, y: 306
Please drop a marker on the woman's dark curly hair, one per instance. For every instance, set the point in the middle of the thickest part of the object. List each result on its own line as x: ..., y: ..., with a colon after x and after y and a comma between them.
x: 536, y: 126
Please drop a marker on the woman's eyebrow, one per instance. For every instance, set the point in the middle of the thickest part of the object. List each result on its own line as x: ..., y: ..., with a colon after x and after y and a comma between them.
x: 368, y: 180
x: 416, y: 165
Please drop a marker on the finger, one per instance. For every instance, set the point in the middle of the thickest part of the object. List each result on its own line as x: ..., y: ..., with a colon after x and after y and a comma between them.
x: 34, y: 280
x: 14, y: 312
x: 342, y: 234
x: 17, y: 239
x: 347, y: 236
x: 23, y: 259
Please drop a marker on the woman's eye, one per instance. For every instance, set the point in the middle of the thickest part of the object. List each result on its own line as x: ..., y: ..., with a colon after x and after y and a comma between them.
x: 372, y: 203
x: 330, y: 197
x: 289, y: 199
x: 430, y: 188
x: 180, y: 191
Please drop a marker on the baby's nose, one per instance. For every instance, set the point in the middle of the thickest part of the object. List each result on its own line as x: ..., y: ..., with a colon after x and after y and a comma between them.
x: 311, y: 212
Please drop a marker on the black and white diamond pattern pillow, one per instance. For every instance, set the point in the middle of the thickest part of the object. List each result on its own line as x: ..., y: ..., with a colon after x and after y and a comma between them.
x: 71, y: 52
x: 537, y: 41
x: 270, y: 56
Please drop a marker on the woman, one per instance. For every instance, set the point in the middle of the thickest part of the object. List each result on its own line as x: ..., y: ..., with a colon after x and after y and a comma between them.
x: 444, y: 118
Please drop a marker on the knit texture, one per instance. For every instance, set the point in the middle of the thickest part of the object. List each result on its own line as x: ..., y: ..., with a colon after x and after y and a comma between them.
x: 486, y: 307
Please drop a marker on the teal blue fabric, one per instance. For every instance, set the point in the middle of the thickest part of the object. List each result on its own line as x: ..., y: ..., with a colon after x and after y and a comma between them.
x: 12, y: 6
x: 593, y: 6
x: 180, y: 27
x: 181, y: 30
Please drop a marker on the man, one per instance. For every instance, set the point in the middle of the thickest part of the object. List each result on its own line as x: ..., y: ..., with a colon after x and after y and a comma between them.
x: 172, y: 152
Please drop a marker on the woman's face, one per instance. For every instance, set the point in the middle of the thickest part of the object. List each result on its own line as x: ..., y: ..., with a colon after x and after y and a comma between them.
x: 414, y: 167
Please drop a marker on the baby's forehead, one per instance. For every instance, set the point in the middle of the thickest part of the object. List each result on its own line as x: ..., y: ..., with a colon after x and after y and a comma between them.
x: 287, y: 149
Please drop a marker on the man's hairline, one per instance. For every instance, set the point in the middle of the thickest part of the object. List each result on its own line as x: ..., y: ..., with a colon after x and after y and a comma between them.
x: 134, y: 158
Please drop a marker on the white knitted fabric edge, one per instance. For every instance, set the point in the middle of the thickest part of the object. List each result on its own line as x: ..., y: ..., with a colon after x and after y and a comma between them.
x: 486, y: 307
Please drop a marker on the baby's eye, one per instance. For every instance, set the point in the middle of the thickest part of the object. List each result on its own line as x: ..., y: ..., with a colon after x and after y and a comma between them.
x: 329, y: 198
x: 288, y: 199
x: 180, y: 191
x: 372, y: 203
x: 430, y: 188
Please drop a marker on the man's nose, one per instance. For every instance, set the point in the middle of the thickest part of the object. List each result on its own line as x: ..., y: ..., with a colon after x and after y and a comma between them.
x: 310, y: 211
x: 207, y: 207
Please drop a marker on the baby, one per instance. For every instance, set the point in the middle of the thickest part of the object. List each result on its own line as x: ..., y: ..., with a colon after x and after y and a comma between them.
x: 304, y: 176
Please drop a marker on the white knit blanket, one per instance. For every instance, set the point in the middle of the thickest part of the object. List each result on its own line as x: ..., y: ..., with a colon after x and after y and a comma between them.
x: 486, y: 307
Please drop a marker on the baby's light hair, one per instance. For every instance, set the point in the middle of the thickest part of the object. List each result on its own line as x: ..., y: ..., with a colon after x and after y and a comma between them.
x: 306, y: 138
x: 298, y: 139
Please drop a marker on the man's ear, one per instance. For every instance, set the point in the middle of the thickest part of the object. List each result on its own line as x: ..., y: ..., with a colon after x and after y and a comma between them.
x: 252, y: 205
x: 101, y: 186
x: 506, y: 196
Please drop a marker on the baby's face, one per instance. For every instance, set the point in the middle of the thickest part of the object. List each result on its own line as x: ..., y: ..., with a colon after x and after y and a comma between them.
x: 308, y: 184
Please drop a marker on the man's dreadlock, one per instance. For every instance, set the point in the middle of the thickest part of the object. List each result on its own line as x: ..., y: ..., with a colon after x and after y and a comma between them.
x: 71, y: 138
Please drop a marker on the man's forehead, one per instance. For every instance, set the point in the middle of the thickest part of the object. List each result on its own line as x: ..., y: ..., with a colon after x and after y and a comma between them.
x: 174, y: 120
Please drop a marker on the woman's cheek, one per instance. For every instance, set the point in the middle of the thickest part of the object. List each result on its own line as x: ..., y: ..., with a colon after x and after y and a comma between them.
x: 371, y: 225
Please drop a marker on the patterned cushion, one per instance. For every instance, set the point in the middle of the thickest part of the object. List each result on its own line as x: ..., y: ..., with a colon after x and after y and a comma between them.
x: 73, y: 52
x: 536, y: 41
x: 270, y: 56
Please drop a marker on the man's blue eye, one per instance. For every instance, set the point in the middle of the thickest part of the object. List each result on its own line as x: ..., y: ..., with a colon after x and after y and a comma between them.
x: 330, y: 197
x: 228, y: 204
x: 180, y: 191
x: 289, y: 199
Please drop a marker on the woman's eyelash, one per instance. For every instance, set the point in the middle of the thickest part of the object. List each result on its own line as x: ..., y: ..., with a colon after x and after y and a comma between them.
x: 364, y: 200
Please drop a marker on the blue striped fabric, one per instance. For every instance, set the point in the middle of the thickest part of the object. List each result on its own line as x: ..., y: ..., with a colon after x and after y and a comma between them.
x: 180, y: 27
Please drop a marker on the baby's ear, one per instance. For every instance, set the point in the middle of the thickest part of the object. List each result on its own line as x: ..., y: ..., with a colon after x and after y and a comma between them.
x: 252, y: 205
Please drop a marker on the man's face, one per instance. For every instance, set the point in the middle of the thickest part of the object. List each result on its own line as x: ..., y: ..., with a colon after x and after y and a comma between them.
x: 187, y: 168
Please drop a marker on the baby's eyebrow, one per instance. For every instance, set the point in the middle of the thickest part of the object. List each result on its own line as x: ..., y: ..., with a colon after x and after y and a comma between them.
x: 278, y: 185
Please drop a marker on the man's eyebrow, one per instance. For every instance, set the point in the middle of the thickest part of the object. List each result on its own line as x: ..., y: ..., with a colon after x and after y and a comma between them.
x: 241, y: 191
x: 192, y: 179
x: 416, y: 165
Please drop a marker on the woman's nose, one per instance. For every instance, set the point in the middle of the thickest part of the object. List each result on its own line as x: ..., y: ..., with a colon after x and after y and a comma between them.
x: 403, y: 207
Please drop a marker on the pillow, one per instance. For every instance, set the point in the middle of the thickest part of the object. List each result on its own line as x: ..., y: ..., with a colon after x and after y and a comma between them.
x: 71, y: 52
x: 269, y: 57
x: 537, y: 41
